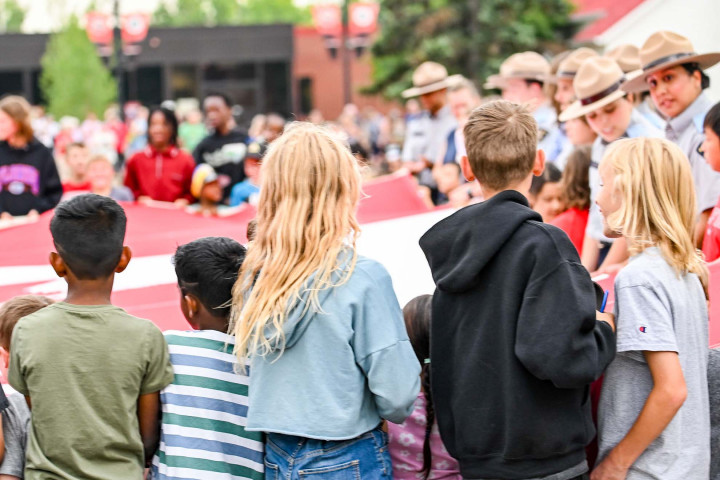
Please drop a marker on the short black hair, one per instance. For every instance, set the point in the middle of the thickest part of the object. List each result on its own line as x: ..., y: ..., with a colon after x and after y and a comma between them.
x: 170, y: 118
x: 693, y: 67
x: 712, y: 119
x: 225, y: 98
x: 88, y: 232
x: 551, y: 174
x: 208, y: 268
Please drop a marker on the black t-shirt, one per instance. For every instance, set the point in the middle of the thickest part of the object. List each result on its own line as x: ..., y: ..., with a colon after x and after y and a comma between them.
x: 225, y: 153
x: 28, y: 179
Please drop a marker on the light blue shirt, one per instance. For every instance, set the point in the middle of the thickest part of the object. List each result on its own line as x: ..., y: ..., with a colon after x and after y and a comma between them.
x: 344, y: 368
x: 686, y: 130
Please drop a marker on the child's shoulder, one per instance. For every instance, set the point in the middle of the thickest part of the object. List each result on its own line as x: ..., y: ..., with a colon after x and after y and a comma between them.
x: 648, y: 268
x: 208, y: 339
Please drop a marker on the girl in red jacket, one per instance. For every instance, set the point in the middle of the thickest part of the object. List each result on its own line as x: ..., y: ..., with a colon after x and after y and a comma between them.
x: 161, y: 171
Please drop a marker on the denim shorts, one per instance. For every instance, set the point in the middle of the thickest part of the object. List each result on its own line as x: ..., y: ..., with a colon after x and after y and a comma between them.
x: 296, y: 458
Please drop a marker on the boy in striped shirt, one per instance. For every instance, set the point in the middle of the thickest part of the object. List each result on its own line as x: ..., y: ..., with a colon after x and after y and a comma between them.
x: 204, y: 409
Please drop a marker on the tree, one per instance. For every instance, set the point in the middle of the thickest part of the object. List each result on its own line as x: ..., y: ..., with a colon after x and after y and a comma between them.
x: 74, y: 80
x: 274, y: 11
x: 471, y: 37
x: 228, y: 12
x: 12, y: 16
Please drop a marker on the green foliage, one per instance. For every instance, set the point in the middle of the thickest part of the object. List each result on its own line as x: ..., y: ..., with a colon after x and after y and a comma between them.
x: 471, y: 37
x: 274, y: 11
x: 73, y: 78
x: 228, y: 12
x: 12, y: 16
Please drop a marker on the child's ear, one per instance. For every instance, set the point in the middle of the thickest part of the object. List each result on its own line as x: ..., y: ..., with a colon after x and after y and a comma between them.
x: 193, y: 305
x: 58, y: 264
x: 466, y: 170
x: 125, y: 257
x: 539, y: 165
x: 5, y: 356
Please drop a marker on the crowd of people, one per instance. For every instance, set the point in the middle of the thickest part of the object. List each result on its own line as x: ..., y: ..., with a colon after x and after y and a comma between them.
x: 301, y: 362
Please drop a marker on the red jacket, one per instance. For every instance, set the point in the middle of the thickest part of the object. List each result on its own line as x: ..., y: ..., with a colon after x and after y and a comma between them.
x: 163, y: 176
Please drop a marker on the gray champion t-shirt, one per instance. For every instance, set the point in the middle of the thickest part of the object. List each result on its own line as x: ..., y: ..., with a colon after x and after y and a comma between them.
x: 657, y: 310
x: 15, y: 423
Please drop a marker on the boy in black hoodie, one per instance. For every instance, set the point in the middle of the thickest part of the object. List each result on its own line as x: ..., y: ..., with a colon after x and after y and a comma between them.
x: 516, y: 340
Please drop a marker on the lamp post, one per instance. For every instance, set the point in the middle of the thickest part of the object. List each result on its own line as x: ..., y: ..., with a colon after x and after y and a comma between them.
x: 346, y: 54
x: 118, y: 57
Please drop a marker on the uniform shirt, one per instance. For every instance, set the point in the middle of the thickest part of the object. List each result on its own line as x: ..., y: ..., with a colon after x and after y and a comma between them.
x: 686, y: 130
x: 639, y: 127
x: 549, y: 134
x: 427, y: 135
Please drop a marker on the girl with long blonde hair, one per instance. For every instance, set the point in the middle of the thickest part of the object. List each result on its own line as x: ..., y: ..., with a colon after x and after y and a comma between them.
x: 654, y: 411
x: 327, y: 347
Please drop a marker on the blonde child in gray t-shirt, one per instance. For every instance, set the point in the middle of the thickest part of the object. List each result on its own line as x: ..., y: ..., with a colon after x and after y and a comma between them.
x: 654, y: 419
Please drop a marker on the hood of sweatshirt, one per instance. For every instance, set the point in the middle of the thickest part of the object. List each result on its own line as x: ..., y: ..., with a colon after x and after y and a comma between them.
x: 458, y: 247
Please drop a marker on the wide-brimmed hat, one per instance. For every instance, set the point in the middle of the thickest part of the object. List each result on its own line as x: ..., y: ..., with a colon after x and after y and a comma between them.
x: 568, y: 68
x: 525, y: 65
x: 430, y: 77
x: 664, y: 50
x: 596, y: 84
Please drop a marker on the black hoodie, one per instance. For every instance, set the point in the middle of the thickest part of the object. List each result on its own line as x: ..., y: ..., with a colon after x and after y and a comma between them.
x: 514, y: 341
x: 29, y: 179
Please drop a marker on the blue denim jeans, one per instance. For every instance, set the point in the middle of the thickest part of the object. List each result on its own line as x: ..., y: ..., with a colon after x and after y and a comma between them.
x: 296, y: 458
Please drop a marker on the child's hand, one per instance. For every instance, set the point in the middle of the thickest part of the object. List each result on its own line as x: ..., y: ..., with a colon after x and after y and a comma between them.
x: 609, y: 470
x: 181, y: 202
x: 606, y: 317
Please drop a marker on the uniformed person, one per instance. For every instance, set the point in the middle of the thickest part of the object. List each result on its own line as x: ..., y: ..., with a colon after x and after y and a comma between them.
x: 673, y: 73
x: 628, y: 57
x: 610, y: 113
x: 521, y: 80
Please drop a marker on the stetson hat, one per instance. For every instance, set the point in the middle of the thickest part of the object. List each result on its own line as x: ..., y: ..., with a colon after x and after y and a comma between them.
x: 596, y: 84
x: 627, y: 56
x: 430, y: 77
x: 525, y: 65
x: 568, y: 68
x: 664, y: 50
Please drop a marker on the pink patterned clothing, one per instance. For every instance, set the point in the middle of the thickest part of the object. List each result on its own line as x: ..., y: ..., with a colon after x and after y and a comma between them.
x: 406, y: 448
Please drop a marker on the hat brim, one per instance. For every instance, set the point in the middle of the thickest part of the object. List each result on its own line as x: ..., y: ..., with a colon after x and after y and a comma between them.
x: 433, y: 87
x: 499, y: 82
x: 639, y: 84
x: 577, y: 109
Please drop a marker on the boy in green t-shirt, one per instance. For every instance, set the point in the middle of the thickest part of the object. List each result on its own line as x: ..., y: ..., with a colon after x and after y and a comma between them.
x: 91, y: 373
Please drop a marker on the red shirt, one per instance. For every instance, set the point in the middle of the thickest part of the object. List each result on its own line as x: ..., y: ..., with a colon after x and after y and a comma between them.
x: 163, y: 176
x: 711, y: 241
x: 573, y: 222
x: 76, y: 187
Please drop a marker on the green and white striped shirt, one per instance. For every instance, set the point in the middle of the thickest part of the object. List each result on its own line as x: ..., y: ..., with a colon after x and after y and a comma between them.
x: 204, y: 413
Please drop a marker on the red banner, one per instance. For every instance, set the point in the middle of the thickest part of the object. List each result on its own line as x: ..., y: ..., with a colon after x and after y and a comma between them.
x: 135, y: 27
x: 327, y: 19
x: 363, y: 18
x: 99, y: 28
